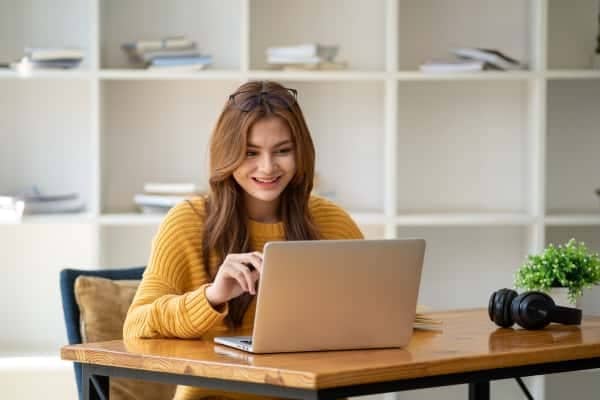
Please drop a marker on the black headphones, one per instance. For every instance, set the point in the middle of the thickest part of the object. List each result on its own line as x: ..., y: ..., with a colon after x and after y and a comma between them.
x: 530, y: 310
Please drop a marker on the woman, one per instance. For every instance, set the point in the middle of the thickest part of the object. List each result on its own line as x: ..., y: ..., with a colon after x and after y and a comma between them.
x: 206, y: 258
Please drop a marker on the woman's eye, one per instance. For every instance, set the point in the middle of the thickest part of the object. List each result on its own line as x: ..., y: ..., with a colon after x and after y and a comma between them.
x: 250, y: 153
x: 284, y: 151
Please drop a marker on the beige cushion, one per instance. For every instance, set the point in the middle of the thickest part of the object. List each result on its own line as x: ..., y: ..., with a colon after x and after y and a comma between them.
x: 103, y: 305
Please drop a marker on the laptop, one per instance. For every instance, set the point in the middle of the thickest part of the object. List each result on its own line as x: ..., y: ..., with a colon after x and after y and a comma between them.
x: 335, y: 295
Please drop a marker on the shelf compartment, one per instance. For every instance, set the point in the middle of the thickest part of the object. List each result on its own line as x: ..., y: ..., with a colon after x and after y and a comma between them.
x: 52, y: 149
x: 39, y: 23
x: 339, y: 133
x: 358, y: 27
x: 457, y: 257
x: 462, y: 156
x: 572, y: 33
x: 201, y: 21
x: 442, y: 26
x: 572, y: 161
x: 126, y: 246
x: 32, y: 257
x: 156, y: 131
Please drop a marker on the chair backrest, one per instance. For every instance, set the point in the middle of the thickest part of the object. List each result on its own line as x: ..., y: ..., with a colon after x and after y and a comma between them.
x: 71, y: 309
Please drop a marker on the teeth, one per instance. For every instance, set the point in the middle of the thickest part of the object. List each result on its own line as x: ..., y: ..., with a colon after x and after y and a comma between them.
x: 266, y: 181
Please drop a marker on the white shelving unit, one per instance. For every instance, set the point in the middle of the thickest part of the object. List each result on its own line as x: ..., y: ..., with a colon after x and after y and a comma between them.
x: 487, y: 167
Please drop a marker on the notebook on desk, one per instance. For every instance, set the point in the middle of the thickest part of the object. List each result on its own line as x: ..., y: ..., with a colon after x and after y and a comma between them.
x: 335, y: 295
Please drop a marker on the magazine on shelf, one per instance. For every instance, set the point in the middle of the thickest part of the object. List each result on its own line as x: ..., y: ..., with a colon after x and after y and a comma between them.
x: 491, y: 56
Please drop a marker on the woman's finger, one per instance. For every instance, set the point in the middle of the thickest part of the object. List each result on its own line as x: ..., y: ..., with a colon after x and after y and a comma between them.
x: 252, y: 260
x: 236, y: 273
x: 248, y: 276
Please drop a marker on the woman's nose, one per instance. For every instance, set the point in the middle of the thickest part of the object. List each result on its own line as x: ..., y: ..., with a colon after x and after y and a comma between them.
x: 266, y: 163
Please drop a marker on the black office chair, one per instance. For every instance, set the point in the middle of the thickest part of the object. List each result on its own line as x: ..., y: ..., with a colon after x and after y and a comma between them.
x: 70, y: 308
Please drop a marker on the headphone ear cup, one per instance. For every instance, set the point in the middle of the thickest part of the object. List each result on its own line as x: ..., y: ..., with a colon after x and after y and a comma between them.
x: 507, y: 303
x: 532, y: 310
x: 499, y: 307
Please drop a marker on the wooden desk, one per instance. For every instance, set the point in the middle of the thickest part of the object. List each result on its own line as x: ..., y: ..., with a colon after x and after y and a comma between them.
x: 470, y: 349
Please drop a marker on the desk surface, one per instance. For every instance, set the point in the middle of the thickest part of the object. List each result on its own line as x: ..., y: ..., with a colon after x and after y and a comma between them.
x: 468, y: 342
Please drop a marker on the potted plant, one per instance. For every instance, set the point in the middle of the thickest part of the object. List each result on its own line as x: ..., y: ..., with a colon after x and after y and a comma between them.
x: 562, y: 271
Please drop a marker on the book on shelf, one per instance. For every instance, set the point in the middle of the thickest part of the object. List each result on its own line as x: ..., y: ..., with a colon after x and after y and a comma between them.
x: 321, y: 66
x: 184, y: 188
x: 181, y: 60
x: 454, y: 65
x: 32, y: 201
x: 176, y: 68
x: 175, y: 54
x: 312, y: 56
x: 303, y: 51
x: 172, y: 42
x: 170, y: 54
x: 48, y: 58
x: 158, y: 200
x: 490, y: 56
x: 159, y: 197
x: 37, y: 202
x: 53, y: 54
x: 27, y: 65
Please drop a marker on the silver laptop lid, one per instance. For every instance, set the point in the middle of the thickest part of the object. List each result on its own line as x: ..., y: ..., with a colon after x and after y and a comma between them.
x: 338, y: 294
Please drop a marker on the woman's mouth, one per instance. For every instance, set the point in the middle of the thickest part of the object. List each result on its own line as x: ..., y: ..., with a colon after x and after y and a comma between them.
x: 266, y: 182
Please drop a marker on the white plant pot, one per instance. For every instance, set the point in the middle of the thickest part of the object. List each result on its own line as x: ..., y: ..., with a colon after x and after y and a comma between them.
x: 560, y: 296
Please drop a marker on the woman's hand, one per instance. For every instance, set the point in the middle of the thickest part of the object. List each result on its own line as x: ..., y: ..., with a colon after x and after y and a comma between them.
x: 237, y: 274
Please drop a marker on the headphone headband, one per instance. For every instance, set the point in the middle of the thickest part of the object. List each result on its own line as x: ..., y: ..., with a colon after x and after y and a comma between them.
x: 566, y: 315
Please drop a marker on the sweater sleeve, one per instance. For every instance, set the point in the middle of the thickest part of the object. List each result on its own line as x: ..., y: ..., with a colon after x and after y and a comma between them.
x: 162, y: 307
x: 332, y: 221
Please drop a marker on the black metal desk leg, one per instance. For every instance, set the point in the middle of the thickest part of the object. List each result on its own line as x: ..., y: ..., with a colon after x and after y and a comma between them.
x: 479, y: 390
x: 94, y: 387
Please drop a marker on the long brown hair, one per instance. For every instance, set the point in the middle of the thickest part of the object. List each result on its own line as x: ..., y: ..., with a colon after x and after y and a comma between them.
x: 225, y: 228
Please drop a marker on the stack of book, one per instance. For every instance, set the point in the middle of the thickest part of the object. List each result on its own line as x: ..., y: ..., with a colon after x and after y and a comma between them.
x: 40, y: 203
x: 158, y: 198
x: 473, y: 59
x: 168, y: 54
x: 309, y: 56
x: 32, y: 201
x: 49, y: 58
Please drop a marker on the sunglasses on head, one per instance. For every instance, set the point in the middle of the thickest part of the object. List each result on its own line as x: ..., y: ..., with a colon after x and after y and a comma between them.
x: 279, y: 98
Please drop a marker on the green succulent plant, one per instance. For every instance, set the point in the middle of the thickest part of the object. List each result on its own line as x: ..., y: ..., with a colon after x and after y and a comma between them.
x: 571, y: 266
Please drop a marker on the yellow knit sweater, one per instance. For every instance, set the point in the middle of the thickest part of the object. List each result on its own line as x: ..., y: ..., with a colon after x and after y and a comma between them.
x: 170, y: 300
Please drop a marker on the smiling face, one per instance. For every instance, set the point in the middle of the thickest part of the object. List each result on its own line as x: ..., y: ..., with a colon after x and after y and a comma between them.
x: 268, y: 168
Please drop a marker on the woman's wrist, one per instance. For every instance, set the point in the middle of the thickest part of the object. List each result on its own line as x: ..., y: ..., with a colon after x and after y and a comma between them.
x: 212, y: 299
